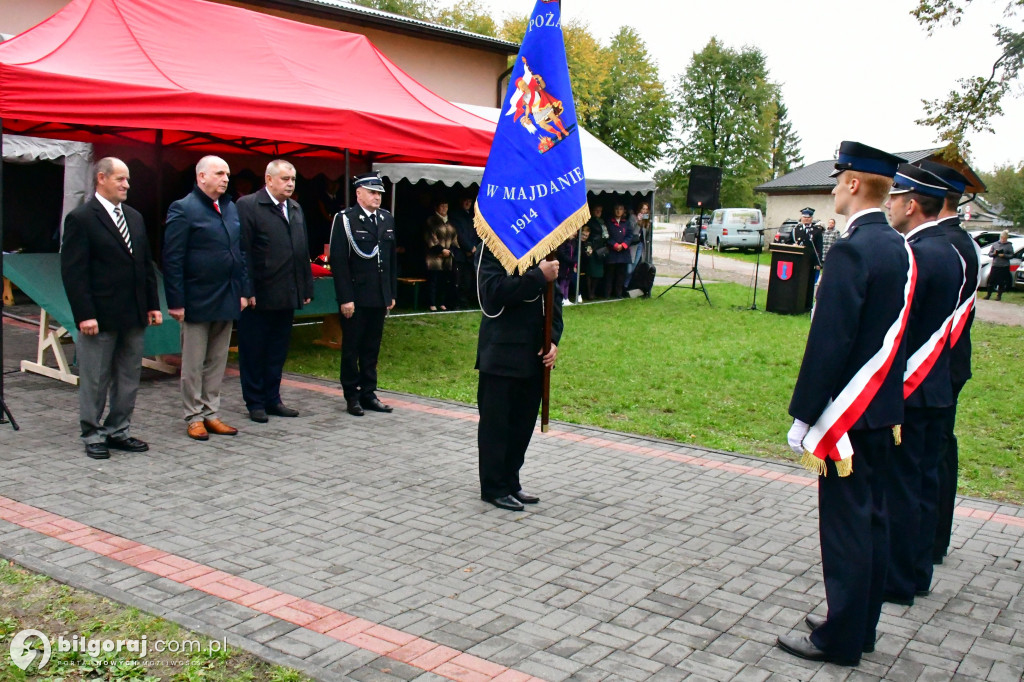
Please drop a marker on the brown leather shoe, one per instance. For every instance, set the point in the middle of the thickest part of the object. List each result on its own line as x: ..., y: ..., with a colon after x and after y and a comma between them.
x: 197, y: 431
x: 220, y: 428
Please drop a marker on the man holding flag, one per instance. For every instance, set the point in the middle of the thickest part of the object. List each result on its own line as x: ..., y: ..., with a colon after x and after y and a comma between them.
x: 532, y: 197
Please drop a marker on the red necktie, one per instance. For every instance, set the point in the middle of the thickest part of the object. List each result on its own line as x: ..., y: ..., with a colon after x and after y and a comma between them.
x: 216, y: 207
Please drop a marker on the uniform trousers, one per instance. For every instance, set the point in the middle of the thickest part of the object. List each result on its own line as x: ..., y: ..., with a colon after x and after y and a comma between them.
x: 204, y: 355
x: 108, y: 362
x: 949, y: 468
x: 360, y: 346
x: 263, y: 340
x: 913, y: 496
x: 508, y: 414
x: 853, y: 525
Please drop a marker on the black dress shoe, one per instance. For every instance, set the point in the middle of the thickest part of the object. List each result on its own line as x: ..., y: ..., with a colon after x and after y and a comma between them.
x: 814, y: 621
x: 280, y: 410
x: 526, y: 498
x: 895, y: 599
x: 375, y: 405
x: 353, y: 408
x: 97, y: 450
x: 802, y: 647
x: 258, y: 416
x: 505, y: 502
x: 128, y: 444
x: 922, y: 593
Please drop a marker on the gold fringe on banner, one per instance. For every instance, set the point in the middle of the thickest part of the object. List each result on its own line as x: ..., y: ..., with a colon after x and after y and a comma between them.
x: 844, y: 467
x: 539, y: 252
x: 897, y: 434
x: 812, y: 463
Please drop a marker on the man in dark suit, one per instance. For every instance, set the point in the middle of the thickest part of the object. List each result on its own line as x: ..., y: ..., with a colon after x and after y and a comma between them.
x: 366, y: 282
x: 847, y: 401
x: 207, y: 285
x: 274, y: 240
x: 914, y: 203
x: 959, y: 346
x: 511, y: 362
x: 110, y: 280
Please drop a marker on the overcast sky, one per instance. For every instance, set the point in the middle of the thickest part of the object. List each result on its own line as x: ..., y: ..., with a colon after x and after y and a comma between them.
x: 848, y: 70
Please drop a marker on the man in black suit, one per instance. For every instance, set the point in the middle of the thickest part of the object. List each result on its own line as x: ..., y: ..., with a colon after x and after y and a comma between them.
x: 110, y: 280
x: 511, y: 362
x: 275, y: 243
x: 914, y: 203
x: 959, y: 346
x: 366, y: 282
x: 847, y: 401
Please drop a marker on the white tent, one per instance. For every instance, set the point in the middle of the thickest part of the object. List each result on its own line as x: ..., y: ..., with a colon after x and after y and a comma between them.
x: 605, y: 170
x: 76, y: 157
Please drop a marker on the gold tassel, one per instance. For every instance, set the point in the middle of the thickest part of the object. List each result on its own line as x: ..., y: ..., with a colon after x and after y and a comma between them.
x: 812, y: 463
x: 844, y: 467
x: 539, y: 252
x: 897, y: 434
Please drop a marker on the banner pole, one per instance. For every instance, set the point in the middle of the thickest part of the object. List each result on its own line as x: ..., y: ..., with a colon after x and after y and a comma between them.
x: 549, y: 305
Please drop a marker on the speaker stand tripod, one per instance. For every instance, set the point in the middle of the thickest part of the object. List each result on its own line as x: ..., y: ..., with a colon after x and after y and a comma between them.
x: 757, y: 265
x: 696, y: 258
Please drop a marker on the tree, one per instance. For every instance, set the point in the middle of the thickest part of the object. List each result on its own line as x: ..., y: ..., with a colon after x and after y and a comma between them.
x: 785, y: 143
x: 635, y: 114
x: 725, y: 106
x: 468, y: 15
x: 973, y: 105
x: 414, y: 9
x: 588, y: 63
x: 1006, y: 186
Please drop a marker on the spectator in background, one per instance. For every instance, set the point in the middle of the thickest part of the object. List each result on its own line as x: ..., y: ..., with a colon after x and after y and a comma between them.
x: 599, y: 249
x: 641, y: 223
x: 441, y: 242
x: 999, y: 276
x: 330, y: 200
x: 828, y: 238
x: 568, y: 255
x: 619, y: 236
x: 465, y: 254
x: 207, y: 285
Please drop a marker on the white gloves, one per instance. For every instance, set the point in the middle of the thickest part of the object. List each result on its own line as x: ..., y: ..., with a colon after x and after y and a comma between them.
x: 796, y: 434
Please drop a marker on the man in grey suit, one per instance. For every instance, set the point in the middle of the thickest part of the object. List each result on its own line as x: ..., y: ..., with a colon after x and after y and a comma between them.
x: 110, y: 280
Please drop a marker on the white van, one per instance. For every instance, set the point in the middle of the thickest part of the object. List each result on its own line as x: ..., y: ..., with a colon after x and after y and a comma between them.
x: 736, y: 228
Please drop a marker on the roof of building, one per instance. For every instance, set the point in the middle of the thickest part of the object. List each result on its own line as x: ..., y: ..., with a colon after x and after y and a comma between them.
x: 349, y: 11
x: 815, y: 176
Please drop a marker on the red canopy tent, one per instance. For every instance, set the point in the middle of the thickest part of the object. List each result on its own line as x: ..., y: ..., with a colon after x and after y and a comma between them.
x: 200, y: 74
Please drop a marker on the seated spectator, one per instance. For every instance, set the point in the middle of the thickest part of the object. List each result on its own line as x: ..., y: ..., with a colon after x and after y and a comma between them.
x: 441, y: 241
x: 620, y: 235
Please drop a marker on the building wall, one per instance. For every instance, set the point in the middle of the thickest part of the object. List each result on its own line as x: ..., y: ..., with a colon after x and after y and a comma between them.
x: 784, y: 206
x: 455, y: 72
x: 17, y: 16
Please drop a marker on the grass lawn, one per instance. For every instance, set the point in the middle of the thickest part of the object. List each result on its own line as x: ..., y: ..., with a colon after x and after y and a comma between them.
x: 29, y: 600
x: 674, y: 368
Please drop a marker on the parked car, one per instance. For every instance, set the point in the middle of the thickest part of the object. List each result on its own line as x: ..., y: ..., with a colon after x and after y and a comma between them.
x: 784, y: 235
x: 740, y: 228
x: 690, y: 231
x: 985, y: 240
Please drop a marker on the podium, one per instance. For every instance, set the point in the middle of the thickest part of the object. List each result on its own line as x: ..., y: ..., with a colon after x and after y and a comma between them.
x: 791, y: 283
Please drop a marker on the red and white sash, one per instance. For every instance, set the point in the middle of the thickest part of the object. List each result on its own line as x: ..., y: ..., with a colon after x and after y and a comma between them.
x: 827, y: 437
x: 924, y: 358
x: 963, y: 312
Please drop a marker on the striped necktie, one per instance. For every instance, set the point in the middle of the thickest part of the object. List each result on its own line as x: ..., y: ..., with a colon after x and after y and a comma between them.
x: 122, y: 227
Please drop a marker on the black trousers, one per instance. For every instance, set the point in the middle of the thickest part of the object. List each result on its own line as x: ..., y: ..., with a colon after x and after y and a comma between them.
x: 853, y: 525
x: 508, y: 413
x: 913, y: 496
x: 949, y: 468
x: 360, y: 346
x: 614, y: 279
x: 439, y: 288
x: 263, y: 340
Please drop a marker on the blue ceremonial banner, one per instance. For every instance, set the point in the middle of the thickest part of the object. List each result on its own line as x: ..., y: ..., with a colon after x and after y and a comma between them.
x: 533, y: 195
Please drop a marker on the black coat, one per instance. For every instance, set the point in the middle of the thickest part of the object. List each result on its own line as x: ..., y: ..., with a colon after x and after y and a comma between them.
x: 275, y: 251
x: 105, y: 281
x: 465, y: 232
x: 939, y: 278
x: 367, y: 282
x: 860, y: 296
x: 960, y: 354
x: 508, y: 344
x: 204, y: 265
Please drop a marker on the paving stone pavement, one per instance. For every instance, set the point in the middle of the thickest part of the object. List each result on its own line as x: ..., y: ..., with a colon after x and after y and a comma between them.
x: 358, y: 548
